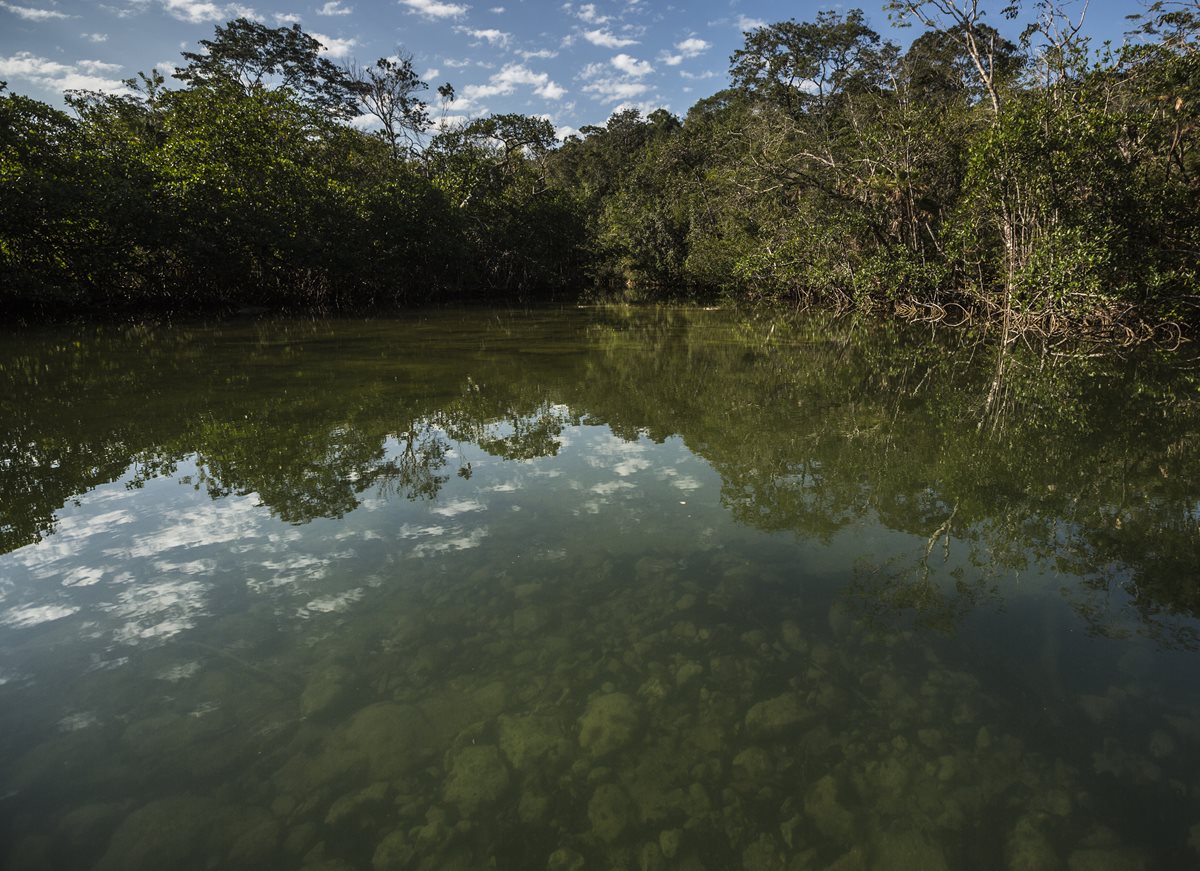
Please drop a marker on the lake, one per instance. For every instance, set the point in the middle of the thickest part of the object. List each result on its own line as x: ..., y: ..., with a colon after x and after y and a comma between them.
x: 602, y: 588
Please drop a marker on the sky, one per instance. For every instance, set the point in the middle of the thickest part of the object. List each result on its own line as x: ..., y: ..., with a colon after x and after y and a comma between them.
x: 574, y: 63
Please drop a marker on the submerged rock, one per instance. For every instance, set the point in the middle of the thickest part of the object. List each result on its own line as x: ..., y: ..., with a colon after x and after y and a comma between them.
x: 527, y: 740
x: 611, y: 722
x: 776, y: 716
x: 395, y: 739
x: 687, y: 672
x: 908, y: 850
x: 393, y: 853
x: 609, y: 812
x: 1029, y: 849
x: 1107, y: 859
x: 852, y: 860
x: 763, y: 854
x: 478, y: 776
x: 170, y: 832
x: 324, y: 691
x: 828, y: 816
x: 792, y: 636
x: 255, y: 846
x: 751, y: 766
x: 357, y: 807
x: 669, y: 842
x: 650, y: 858
x: 532, y: 807
x: 563, y: 859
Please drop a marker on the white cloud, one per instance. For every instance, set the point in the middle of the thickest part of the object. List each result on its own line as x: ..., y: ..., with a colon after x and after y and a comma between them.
x: 631, y: 66
x: 286, y: 18
x: 335, y: 7
x: 200, y: 11
x: 606, y: 39
x: 334, y: 47
x: 95, y: 37
x: 689, y: 48
x: 506, y: 81
x: 610, y: 487
x: 31, y: 14
x: 131, y: 8
x: 646, y: 107
x: 497, y: 10
x: 32, y: 615
x: 55, y: 76
x: 98, y: 66
x: 430, y: 74
x: 458, y: 506
x: 587, y: 12
x: 561, y: 133
x: 541, y: 54
x: 491, y: 35
x: 612, y: 90
x: 435, y: 8
x: 744, y: 23
x: 194, y: 11
x: 707, y: 74
x: 460, y: 542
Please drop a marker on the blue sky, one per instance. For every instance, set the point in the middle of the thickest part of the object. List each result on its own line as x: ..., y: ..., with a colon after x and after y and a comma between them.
x: 575, y: 63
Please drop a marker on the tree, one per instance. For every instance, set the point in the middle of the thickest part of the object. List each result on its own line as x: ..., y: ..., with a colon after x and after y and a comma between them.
x: 962, y: 21
x: 256, y: 56
x: 389, y: 92
x: 43, y: 196
x: 804, y: 66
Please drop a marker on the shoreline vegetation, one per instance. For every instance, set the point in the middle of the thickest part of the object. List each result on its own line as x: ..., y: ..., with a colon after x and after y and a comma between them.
x: 1046, y: 186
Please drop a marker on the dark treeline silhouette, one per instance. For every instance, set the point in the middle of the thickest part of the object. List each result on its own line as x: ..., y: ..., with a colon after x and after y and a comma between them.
x: 1048, y: 182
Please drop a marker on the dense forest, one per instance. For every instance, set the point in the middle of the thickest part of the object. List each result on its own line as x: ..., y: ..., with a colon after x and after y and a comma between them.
x: 1047, y: 182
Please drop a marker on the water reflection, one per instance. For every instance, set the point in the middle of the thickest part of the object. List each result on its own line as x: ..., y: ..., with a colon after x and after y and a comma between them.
x: 630, y: 588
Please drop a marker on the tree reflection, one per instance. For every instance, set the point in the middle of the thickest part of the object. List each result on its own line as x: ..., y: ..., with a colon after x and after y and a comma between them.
x: 1088, y: 466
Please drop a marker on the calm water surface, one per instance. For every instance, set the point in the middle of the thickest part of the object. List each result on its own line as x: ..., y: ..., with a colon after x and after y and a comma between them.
x: 594, y: 589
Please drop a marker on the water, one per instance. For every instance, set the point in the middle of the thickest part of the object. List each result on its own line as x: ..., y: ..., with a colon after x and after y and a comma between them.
x: 596, y: 588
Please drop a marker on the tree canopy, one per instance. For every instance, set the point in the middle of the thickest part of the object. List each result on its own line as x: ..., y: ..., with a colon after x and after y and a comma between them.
x: 1051, y: 184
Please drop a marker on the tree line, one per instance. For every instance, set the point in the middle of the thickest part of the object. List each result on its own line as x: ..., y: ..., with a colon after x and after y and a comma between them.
x: 1046, y: 181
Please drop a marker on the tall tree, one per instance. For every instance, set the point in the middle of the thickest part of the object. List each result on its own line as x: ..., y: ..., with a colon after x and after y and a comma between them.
x: 805, y: 65
x: 963, y: 21
x: 256, y: 56
x: 389, y: 91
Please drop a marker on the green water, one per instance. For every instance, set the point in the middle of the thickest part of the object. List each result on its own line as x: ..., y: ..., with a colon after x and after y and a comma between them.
x: 594, y: 588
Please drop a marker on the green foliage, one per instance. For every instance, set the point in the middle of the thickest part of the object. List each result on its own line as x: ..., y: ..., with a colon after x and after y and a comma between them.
x: 252, y: 55
x: 1045, y: 180
x: 246, y: 188
x: 806, y: 66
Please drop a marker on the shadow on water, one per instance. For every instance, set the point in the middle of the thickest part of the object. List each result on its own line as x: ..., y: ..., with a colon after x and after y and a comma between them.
x: 640, y: 588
